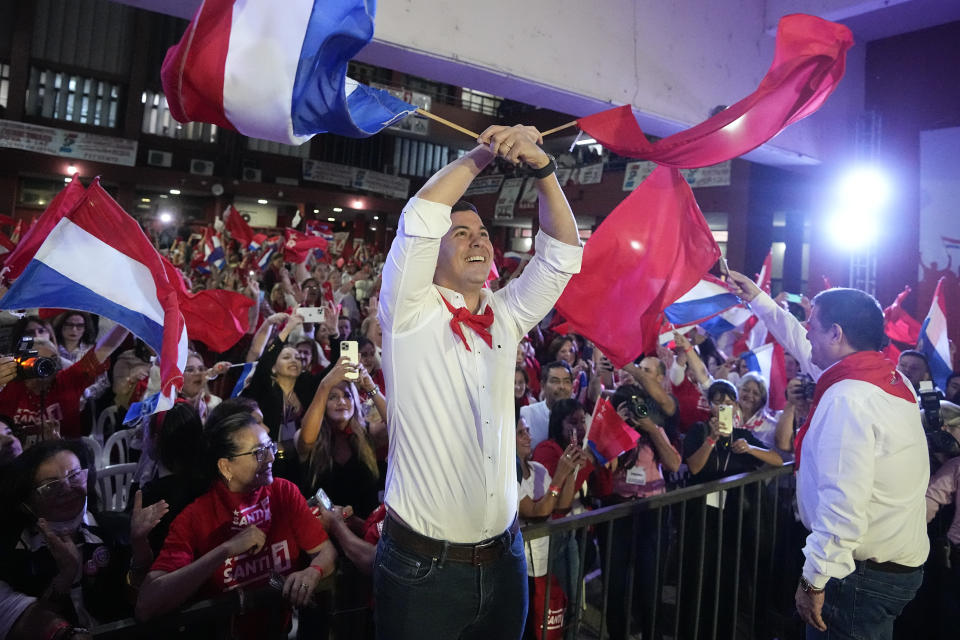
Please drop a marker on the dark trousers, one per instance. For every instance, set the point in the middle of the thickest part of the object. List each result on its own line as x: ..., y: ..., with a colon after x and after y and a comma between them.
x: 422, y: 598
x: 865, y: 603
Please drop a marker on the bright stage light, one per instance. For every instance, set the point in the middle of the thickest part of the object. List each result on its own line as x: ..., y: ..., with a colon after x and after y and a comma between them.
x: 859, y: 201
x: 166, y: 217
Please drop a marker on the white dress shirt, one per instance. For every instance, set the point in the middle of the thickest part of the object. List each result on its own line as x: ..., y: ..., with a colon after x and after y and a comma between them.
x: 861, y: 485
x: 537, y: 417
x: 452, y: 465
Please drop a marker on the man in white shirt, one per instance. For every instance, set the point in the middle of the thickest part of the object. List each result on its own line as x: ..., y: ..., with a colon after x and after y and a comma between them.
x: 450, y: 562
x: 557, y: 382
x: 862, y: 467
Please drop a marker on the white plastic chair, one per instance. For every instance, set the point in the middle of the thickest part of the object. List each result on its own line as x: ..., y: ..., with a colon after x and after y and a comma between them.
x: 95, y: 449
x: 113, y: 483
x: 106, y: 424
x: 119, y: 442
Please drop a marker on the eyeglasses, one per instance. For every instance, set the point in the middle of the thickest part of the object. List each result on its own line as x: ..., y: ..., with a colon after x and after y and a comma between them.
x: 76, y: 478
x: 261, y: 452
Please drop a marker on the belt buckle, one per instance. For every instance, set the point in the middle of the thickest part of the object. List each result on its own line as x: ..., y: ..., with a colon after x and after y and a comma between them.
x: 480, y: 547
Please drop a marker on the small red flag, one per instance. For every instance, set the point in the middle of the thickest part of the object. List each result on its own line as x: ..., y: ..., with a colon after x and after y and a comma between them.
x: 299, y: 245
x: 237, y: 227
x: 609, y: 435
x: 898, y: 324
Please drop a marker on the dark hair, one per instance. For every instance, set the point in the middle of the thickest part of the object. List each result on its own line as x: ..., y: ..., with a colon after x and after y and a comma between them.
x: 179, y: 438
x: 918, y: 354
x: 363, y: 341
x: 19, y: 479
x: 463, y: 205
x: 232, y: 406
x: 709, y: 351
x: 557, y: 343
x: 526, y: 376
x: 625, y: 392
x: 89, y: 335
x: 556, y: 364
x: 955, y: 399
x: 21, y: 325
x: 561, y: 410
x: 856, y: 312
x: 721, y: 388
x: 219, y: 442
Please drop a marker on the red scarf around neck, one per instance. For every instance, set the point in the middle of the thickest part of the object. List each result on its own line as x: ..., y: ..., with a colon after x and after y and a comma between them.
x: 867, y: 366
x: 480, y: 322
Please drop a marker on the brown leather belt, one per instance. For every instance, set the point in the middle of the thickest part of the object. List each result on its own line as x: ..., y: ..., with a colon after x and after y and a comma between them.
x: 478, y: 554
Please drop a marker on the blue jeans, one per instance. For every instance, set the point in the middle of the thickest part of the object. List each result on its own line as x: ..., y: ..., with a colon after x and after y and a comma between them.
x: 864, y: 605
x: 417, y: 597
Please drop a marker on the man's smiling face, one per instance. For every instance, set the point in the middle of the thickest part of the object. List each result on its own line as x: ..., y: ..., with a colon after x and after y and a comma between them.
x: 465, y: 254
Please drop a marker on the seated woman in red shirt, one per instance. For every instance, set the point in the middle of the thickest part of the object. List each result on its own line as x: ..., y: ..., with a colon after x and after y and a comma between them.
x: 245, y: 528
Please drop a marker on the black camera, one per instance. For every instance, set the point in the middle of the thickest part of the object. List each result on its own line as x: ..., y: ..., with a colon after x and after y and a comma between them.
x: 638, y: 407
x: 29, y: 362
x: 930, y: 405
x: 809, y: 387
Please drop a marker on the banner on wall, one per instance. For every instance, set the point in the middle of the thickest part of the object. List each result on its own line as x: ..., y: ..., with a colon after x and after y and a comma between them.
x: 590, y: 174
x: 528, y: 197
x: 483, y: 185
x: 356, y: 178
x: 507, y: 198
x: 67, y: 144
x: 717, y: 175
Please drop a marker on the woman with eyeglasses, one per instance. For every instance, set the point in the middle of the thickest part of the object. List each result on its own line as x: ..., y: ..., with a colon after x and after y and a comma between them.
x: 54, y: 547
x: 75, y: 335
x: 247, y: 528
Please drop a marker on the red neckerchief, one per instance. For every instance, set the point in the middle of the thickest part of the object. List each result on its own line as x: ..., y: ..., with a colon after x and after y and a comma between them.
x: 480, y: 323
x: 868, y: 366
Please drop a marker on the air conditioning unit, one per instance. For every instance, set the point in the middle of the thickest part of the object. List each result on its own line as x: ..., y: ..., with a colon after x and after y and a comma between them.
x: 159, y: 158
x: 251, y: 175
x: 201, y: 167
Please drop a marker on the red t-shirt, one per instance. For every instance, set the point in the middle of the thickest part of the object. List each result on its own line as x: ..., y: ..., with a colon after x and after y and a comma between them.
x: 61, y: 405
x: 277, y: 509
x: 373, y: 525
x: 548, y: 454
x: 692, y: 406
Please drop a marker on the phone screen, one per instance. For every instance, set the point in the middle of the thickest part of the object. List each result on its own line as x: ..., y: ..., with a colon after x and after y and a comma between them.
x: 725, y: 420
x: 795, y: 298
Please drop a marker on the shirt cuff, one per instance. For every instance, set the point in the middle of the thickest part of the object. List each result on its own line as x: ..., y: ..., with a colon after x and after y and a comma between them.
x: 815, y: 580
x: 763, y: 305
x: 424, y: 219
x: 565, y: 258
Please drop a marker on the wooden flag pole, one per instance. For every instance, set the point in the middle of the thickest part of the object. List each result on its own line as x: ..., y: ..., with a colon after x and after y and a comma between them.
x: 426, y: 113
x: 560, y: 128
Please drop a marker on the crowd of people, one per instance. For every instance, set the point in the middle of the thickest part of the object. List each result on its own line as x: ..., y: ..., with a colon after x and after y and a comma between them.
x: 262, y: 480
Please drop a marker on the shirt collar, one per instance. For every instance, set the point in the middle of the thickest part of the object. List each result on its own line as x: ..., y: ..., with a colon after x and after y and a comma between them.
x: 456, y: 298
x: 32, y: 540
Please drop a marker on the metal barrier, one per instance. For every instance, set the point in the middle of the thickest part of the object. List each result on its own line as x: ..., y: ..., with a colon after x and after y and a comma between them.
x: 690, y: 547
x: 703, y: 549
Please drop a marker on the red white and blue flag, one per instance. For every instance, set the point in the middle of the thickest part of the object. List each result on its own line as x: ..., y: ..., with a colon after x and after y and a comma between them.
x: 767, y: 360
x: 212, y: 249
x: 933, y: 339
x: 708, y: 298
x: 67, y: 271
x: 277, y: 71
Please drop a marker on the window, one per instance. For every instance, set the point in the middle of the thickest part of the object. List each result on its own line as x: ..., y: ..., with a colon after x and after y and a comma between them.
x: 418, y: 158
x: 485, y: 103
x: 4, y: 84
x: 158, y: 121
x: 64, y: 96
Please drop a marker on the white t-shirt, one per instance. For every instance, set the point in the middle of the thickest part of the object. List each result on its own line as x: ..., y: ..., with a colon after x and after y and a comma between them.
x: 535, y: 487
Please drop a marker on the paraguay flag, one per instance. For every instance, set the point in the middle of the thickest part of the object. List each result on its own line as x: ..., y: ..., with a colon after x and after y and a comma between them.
x: 277, y: 70
x: 68, y: 270
x: 212, y: 249
x: 933, y: 339
x: 767, y: 360
x: 265, y: 258
x: 706, y: 299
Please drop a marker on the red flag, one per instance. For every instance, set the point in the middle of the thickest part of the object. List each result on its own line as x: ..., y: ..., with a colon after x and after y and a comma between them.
x: 62, y: 204
x: 807, y: 66
x: 764, y: 277
x: 6, y: 220
x: 898, y: 324
x: 216, y: 317
x: 609, y: 435
x: 237, y: 227
x: 647, y: 253
x: 299, y: 245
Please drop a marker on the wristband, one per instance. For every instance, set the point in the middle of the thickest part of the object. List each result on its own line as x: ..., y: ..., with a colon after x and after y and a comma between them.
x: 318, y: 569
x: 375, y: 391
x: 711, y: 441
x: 546, y: 170
x: 554, y: 490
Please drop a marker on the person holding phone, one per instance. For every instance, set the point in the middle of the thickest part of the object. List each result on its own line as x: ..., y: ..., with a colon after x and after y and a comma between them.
x: 449, y: 355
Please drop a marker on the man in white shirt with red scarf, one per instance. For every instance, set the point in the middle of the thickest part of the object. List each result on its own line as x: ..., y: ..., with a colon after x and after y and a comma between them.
x: 862, y: 467
x: 450, y: 562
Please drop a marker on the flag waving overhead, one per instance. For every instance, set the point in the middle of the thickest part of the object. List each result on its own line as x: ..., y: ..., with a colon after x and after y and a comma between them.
x: 898, y: 324
x: 277, y: 70
x: 808, y: 64
x: 706, y: 299
x: 933, y: 339
x: 299, y: 245
x: 609, y: 435
x: 97, y: 259
x: 650, y: 250
x: 237, y: 227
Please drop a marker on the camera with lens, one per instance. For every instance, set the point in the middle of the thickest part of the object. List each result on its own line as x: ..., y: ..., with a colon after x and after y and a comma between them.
x: 29, y: 362
x: 930, y: 405
x: 638, y: 407
x: 809, y: 387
